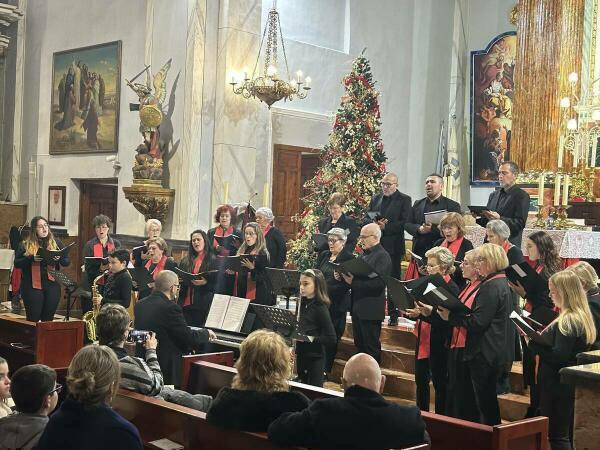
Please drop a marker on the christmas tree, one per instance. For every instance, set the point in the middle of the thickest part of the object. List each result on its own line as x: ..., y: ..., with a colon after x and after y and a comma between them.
x: 353, y: 161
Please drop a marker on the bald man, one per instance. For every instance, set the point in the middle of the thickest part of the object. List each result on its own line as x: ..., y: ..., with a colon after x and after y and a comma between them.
x: 361, y: 419
x: 368, y: 292
x: 393, y: 209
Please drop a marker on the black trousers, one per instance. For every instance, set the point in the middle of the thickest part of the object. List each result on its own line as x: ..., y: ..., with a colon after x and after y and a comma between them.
x: 529, y: 379
x: 366, y: 337
x: 311, y: 369
x: 338, y: 318
x: 438, y: 365
x: 484, y: 378
x: 461, y: 398
x: 395, y: 273
x: 557, y: 403
x: 40, y: 304
x: 422, y: 379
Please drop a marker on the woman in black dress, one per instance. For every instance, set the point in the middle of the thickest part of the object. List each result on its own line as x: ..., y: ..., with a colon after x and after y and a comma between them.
x: 251, y: 282
x: 158, y: 261
x: 274, y: 239
x: 225, y: 241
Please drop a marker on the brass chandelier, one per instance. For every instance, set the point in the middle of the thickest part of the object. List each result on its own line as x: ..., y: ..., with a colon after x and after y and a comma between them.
x: 269, y: 87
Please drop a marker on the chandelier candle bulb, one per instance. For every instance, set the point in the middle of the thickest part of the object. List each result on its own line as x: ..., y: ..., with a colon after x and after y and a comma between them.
x: 565, y: 199
x: 573, y: 77
x: 565, y: 102
x: 307, y: 80
x: 557, y: 189
x: 299, y: 76
x: 541, y: 190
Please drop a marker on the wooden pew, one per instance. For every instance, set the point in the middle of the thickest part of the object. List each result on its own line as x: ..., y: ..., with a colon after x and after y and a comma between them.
x: 157, y: 419
x: 446, y: 432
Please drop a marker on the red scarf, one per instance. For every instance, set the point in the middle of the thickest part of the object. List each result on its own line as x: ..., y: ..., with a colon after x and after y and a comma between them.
x: 467, y: 296
x: 250, y: 283
x: 219, y: 232
x: 196, y: 269
x: 506, y: 245
x: 160, y: 266
x: 267, y: 229
x: 36, y: 275
x: 99, y: 249
x: 453, y: 246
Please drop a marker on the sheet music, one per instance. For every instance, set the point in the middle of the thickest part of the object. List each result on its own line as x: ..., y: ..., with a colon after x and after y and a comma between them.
x: 236, y: 312
x: 519, y: 271
x: 430, y: 287
x: 217, y: 311
x: 435, y: 217
x: 439, y: 294
x: 524, y: 326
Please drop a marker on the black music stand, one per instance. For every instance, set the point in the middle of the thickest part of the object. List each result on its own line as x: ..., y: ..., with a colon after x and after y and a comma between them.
x: 280, y: 321
x: 284, y: 282
x: 71, y: 287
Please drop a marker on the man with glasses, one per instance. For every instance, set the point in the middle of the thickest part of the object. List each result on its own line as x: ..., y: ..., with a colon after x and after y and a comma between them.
x: 393, y: 209
x: 368, y: 293
x: 509, y: 203
x: 160, y: 313
x: 35, y: 393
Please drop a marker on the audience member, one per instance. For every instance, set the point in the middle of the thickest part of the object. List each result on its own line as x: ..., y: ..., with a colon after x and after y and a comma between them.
x: 138, y: 375
x: 35, y: 393
x: 5, y: 410
x: 85, y: 419
x: 361, y: 419
x: 260, y: 390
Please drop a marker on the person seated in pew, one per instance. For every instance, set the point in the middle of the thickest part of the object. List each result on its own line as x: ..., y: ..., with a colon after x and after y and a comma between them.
x: 260, y: 391
x: 138, y: 375
x: 35, y: 393
x: 589, y: 280
x: 5, y: 409
x: 160, y: 314
x: 140, y: 255
x: 118, y: 285
x: 85, y: 419
x: 361, y: 419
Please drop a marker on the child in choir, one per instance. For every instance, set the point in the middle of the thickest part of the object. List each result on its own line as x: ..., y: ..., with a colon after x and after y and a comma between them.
x: 5, y: 410
x: 315, y: 322
x: 572, y: 332
x: 252, y: 282
x: 117, y: 288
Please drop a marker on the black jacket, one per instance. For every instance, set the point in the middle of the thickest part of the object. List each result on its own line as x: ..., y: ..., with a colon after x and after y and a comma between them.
x: 338, y: 291
x: 159, y: 314
x: 396, y: 210
x: 315, y: 321
x: 488, y: 326
x: 345, y: 223
x: 92, y: 268
x: 423, y: 242
x: 259, y: 276
x: 117, y: 289
x: 514, y: 255
x: 24, y: 263
x: 236, y: 409
x: 201, y: 295
x: 230, y: 245
x: 170, y: 264
x: 457, y: 276
x: 368, y: 294
x: 276, y: 246
x: 362, y: 419
x: 593, y: 296
x: 513, y: 207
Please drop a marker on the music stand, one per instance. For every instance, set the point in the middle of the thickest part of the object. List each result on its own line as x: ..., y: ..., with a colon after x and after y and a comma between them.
x: 284, y: 282
x: 71, y: 287
x: 280, y: 321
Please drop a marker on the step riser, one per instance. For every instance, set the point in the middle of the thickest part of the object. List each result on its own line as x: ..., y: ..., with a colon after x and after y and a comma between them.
x: 394, y: 360
x: 391, y: 336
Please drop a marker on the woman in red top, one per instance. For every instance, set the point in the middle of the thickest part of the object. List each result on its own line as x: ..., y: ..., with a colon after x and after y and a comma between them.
x: 452, y: 227
x: 159, y: 261
x: 225, y: 241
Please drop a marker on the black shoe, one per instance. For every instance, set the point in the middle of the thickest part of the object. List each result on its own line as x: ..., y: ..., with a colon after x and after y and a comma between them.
x: 393, y: 322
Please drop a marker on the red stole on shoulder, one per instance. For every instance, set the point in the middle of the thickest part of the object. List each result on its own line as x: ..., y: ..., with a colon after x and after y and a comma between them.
x: 99, y: 249
x: 467, y: 296
x: 196, y: 269
x: 506, y: 245
x: 453, y: 246
x: 160, y: 266
x: 219, y: 232
x: 36, y: 275
x: 250, y: 283
x: 267, y: 229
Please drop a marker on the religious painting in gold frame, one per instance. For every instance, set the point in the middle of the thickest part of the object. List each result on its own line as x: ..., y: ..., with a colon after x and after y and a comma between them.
x: 84, y: 114
x: 492, y: 94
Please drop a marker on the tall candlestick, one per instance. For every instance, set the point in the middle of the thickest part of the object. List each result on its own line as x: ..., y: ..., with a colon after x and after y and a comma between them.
x: 541, y: 190
x: 557, y: 189
x: 226, y: 192
x: 561, y: 150
x: 266, y: 195
x: 565, y: 199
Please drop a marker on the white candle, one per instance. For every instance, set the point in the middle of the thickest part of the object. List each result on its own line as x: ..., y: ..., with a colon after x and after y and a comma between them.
x: 565, y: 199
x: 557, y: 189
x: 541, y: 190
x: 561, y: 150
x: 226, y: 193
x: 266, y: 195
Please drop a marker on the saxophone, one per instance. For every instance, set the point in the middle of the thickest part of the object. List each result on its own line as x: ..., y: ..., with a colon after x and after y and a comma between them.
x: 90, y: 317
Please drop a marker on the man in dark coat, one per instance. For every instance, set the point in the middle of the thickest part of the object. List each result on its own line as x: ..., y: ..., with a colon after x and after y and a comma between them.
x: 361, y: 419
x: 368, y: 293
x: 392, y: 208
x: 509, y: 203
x: 160, y: 313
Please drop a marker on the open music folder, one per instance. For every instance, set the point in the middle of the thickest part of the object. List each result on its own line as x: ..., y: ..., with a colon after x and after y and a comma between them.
x: 227, y: 313
x: 438, y: 296
x: 49, y: 255
x: 399, y: 293
x: 526, y: 275
x: 525, y: 328
x: 188, y: 277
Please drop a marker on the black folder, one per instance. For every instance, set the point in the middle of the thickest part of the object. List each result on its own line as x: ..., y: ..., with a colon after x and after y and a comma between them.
x: 478, y: 209
x: 233, y: 262
x: 356, y: 266
x: 523, y: 273
x: 320, y: 240
x: 141, y: 276
x: 188, y: 277
x: 235, y: 238
x: 399, y: 293
x: 525, y: 328
x: 99, y: 259
x: 374, y: 215
x: 438, y: 296
x: 49, y: 255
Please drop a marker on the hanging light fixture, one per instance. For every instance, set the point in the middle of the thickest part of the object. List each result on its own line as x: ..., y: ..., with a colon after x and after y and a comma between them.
x: 269, y: 87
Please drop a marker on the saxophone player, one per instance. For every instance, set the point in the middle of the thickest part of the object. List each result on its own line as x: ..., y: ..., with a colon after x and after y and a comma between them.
x: 118, y: 285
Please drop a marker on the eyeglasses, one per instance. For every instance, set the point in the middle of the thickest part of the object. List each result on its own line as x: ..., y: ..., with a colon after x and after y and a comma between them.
x: 432, y: 266
x: 332, y: 241
x: 103, y: 227
x: 57, y: 388
x: 41, y: 227
x: 364, y: 237
x: 386, y: 184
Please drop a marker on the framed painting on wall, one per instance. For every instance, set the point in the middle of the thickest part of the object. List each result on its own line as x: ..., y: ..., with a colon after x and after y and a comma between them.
x: 85, y: 99
x: 492, y: 94
x: 56, y: 205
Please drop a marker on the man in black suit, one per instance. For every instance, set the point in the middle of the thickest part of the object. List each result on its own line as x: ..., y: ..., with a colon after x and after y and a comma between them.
x: 368, y: 293
x: 361, y: 419
x: 393, y: 208
x: 160, y: 313
x: 509, y: 203
x: 425, y: 233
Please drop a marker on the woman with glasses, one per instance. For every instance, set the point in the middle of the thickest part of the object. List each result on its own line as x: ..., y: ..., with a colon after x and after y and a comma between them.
x: 39, y: 289
x: 95, y: 254
x: 452, y: 227
x: 337, y: 290
x: 139, y: 254
x: 274, y: 239
x: 338, y: 219
x: 224, y: 239
x: 433, y: 335
x: 157, y: 262
x: 488, y: 328
x: 251, y: 282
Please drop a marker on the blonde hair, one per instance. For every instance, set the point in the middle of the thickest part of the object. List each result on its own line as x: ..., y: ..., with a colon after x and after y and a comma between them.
x: 32, y: 243
x: 264, y: 363
x: 444, y: 257
x: 93, y: 375
x: 494, y: 255
x: 260, y: 245
x: 586, y: 273
x: 470, y: 256
x: 453, y: 219
x: 575, y: 318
